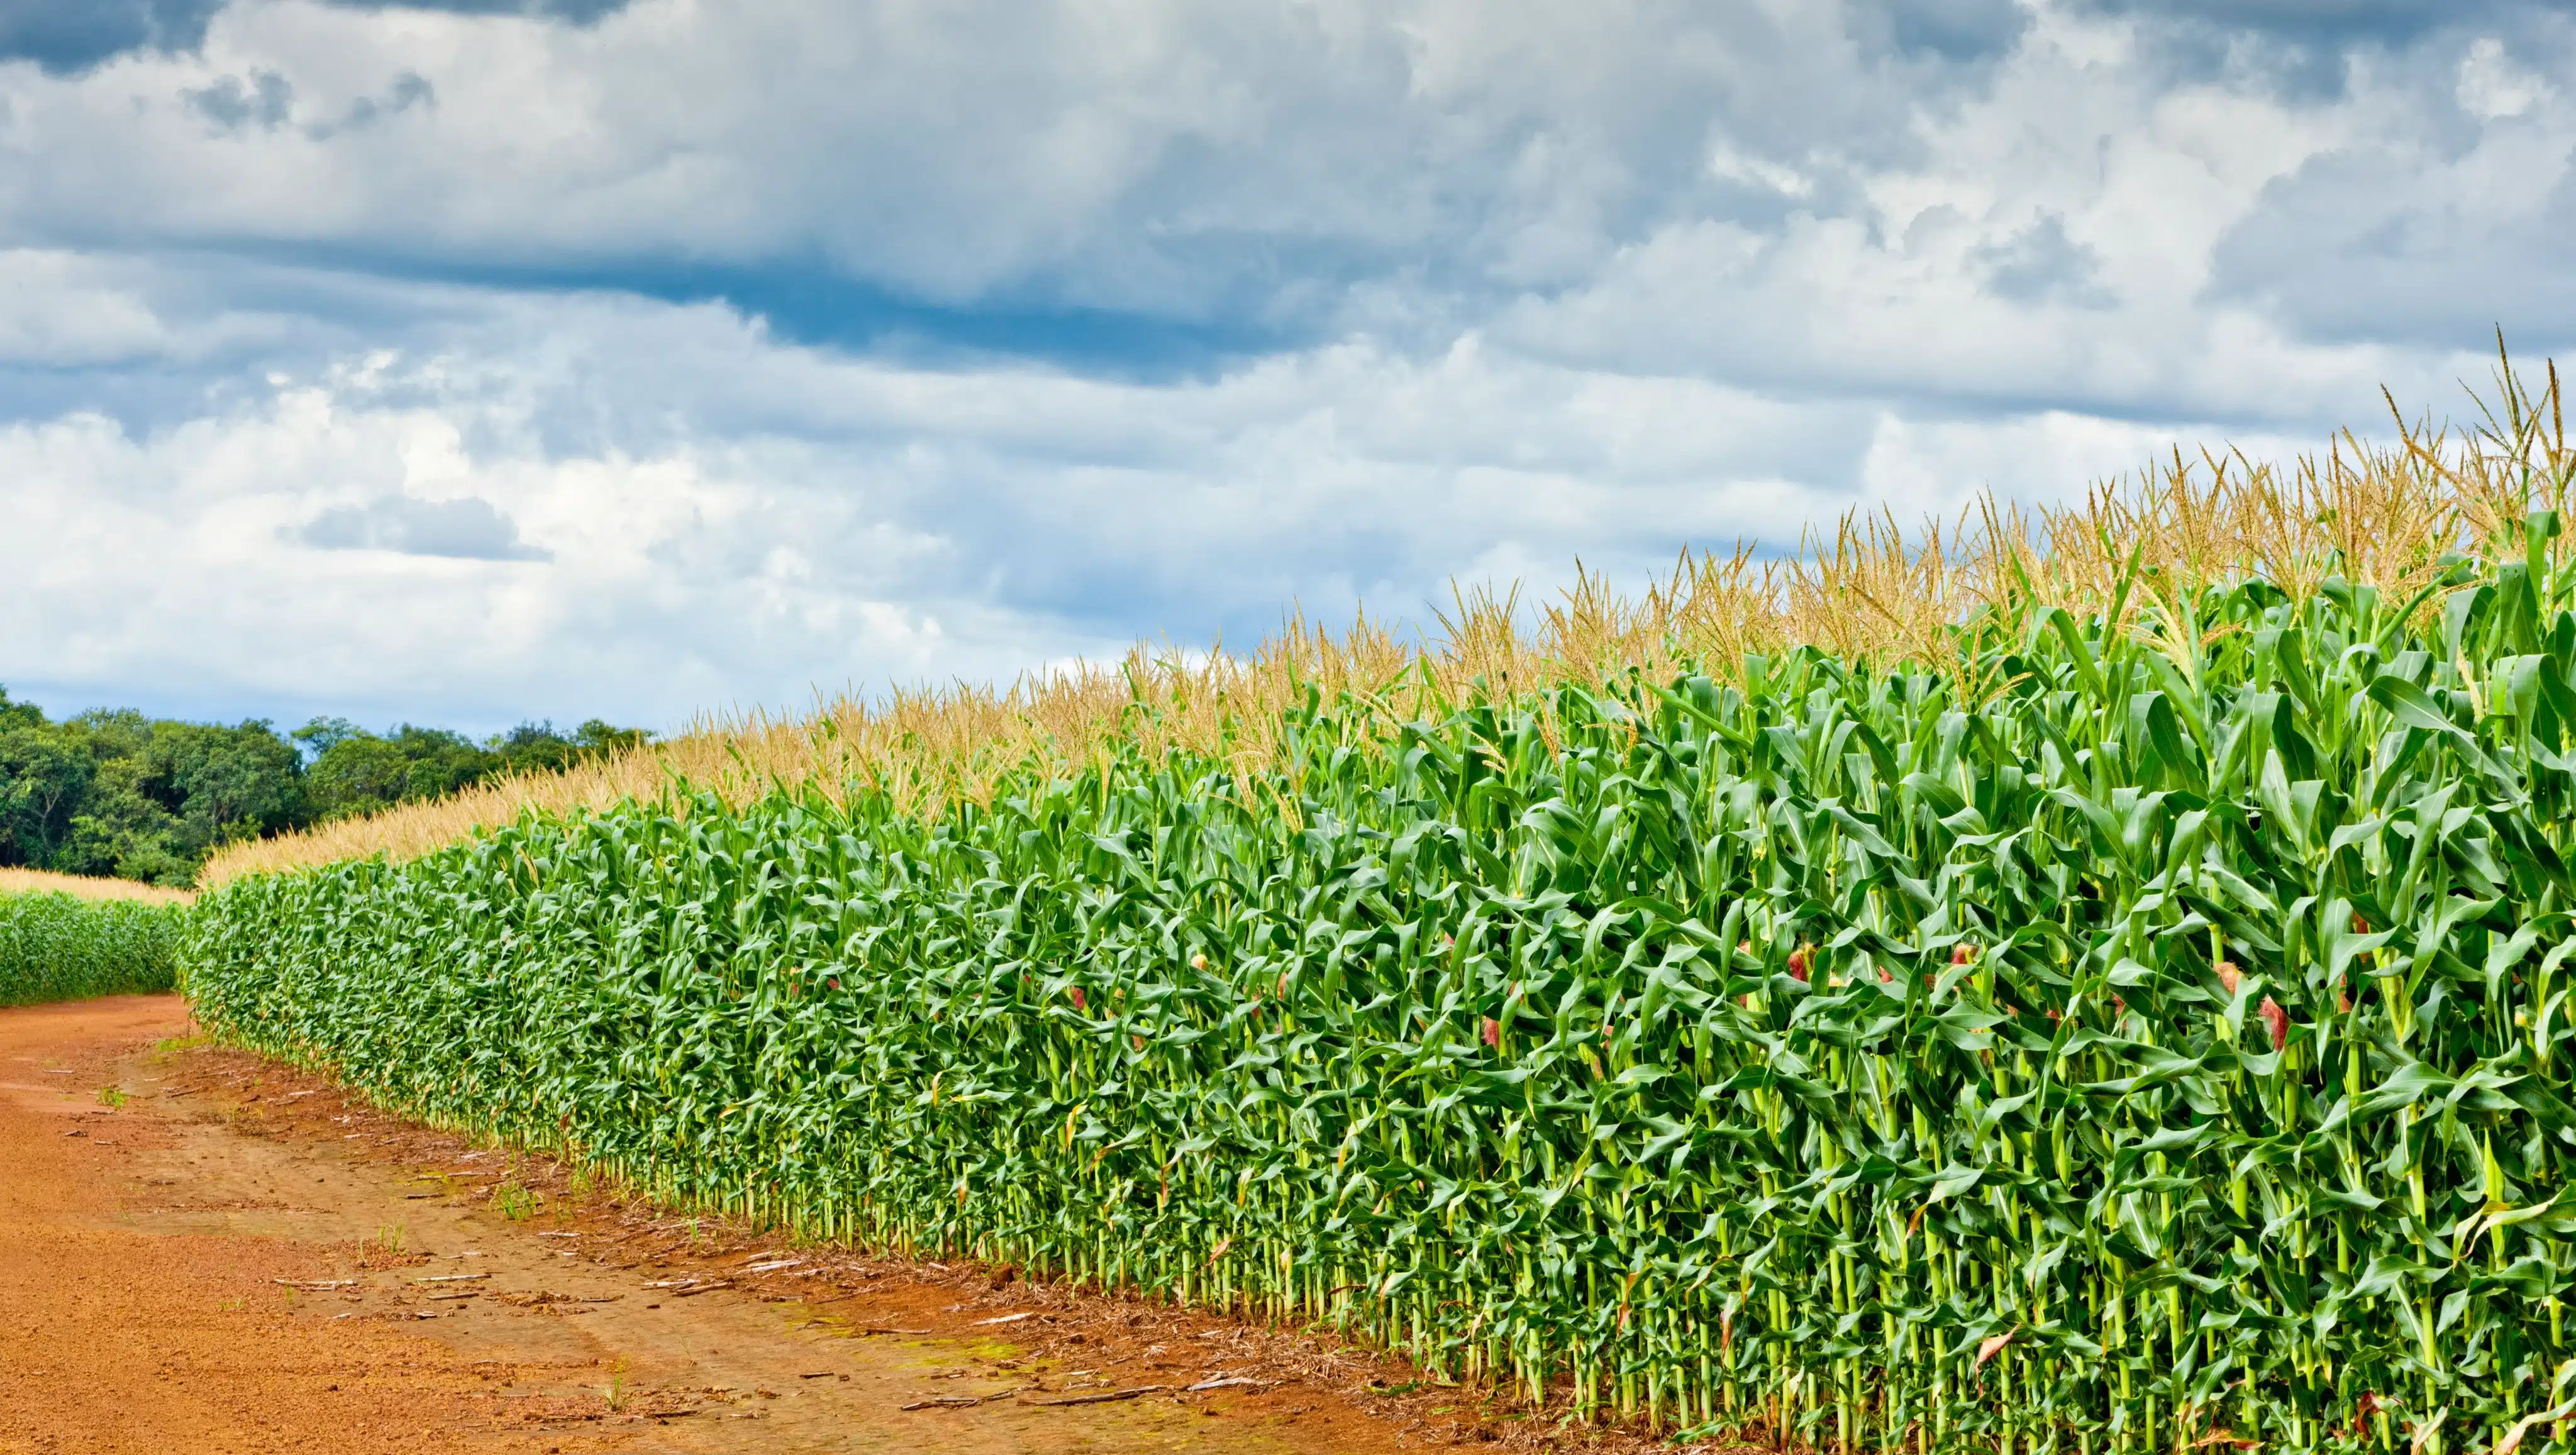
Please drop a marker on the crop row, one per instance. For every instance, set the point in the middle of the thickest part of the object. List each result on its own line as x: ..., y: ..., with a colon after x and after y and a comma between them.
x: 61, y: 947
x: 2117, y: 1038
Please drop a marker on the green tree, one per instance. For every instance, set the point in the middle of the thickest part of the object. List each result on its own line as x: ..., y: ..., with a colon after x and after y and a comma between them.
x: 600, y: 739
x: 43, y: 782
x: 112, y: 791
x: 322, y: 733
x: 538, y: 747
x: 441, y: 761
x: 534, y: 747
x: 119, y: 827
x: 225, y: 783
x: 166, y: 794
x: 355, y: 773
x: 22, y: 714
x: 124, y: 831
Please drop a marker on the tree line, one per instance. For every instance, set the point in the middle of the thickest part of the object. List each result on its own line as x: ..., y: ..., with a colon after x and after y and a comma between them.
x: 112, y: 792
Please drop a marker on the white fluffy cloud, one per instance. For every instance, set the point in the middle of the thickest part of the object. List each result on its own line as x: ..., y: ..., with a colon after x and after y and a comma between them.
x: 400, y: 531
x: 399, y: 361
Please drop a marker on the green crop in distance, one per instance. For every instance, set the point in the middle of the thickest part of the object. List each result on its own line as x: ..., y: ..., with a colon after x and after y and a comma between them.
x: 2115, y: 1038
x: 59, y: 947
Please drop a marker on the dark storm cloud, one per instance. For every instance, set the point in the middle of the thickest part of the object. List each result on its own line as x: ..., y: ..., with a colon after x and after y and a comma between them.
x: 2303, y: 49
x: 578, y: 12
x: 1951, y: 30
x: 73, y: 35
x: 2324, y: 22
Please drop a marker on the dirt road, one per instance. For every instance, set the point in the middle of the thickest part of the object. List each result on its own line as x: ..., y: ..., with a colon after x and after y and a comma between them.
x: 203, y: 1252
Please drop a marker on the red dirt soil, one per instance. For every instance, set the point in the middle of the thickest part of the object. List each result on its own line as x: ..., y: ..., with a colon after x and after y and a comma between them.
x: 201, y: 1251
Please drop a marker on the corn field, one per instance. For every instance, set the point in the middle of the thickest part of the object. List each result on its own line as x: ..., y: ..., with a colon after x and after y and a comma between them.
x: 2115, y: 1028
x: 58, y: 946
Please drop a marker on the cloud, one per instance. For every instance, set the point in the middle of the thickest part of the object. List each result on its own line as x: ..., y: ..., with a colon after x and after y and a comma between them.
x: 230, y: 104
x: 63, y: 37
x: 467, y: 529
x: 1187, y: 161
x: 1950, y: 29
x: 576, y: 12
x: 512, y: 359
x: 2494, y: 86
x: 182, y: 563
x: 2442, y: 208
x: 2042, y: 264
x: 63, y: 309
x: 2342, y: 23
x: 596, y: 505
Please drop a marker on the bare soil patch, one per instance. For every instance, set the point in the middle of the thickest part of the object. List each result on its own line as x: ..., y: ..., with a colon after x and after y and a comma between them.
x: 206, y: 1251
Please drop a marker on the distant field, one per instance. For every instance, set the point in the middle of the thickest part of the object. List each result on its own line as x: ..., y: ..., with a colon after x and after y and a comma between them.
x: 38, y: 881
x: 61, y: 946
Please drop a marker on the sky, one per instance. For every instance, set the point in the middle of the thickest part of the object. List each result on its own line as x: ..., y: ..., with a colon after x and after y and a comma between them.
x: 483, y: 361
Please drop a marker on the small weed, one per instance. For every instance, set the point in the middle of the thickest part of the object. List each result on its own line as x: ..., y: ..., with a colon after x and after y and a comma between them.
x: 616, y: 1390
x: 391, y: 1239
x: 514, y: 1201
x: 110, y: 1097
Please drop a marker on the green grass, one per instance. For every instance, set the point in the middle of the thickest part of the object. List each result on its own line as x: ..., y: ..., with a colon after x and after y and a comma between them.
x: 60, y: 947
x: 2109, y: 1037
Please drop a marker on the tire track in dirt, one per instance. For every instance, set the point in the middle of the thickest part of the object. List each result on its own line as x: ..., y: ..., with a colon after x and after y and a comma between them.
x: 203, y: 1251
